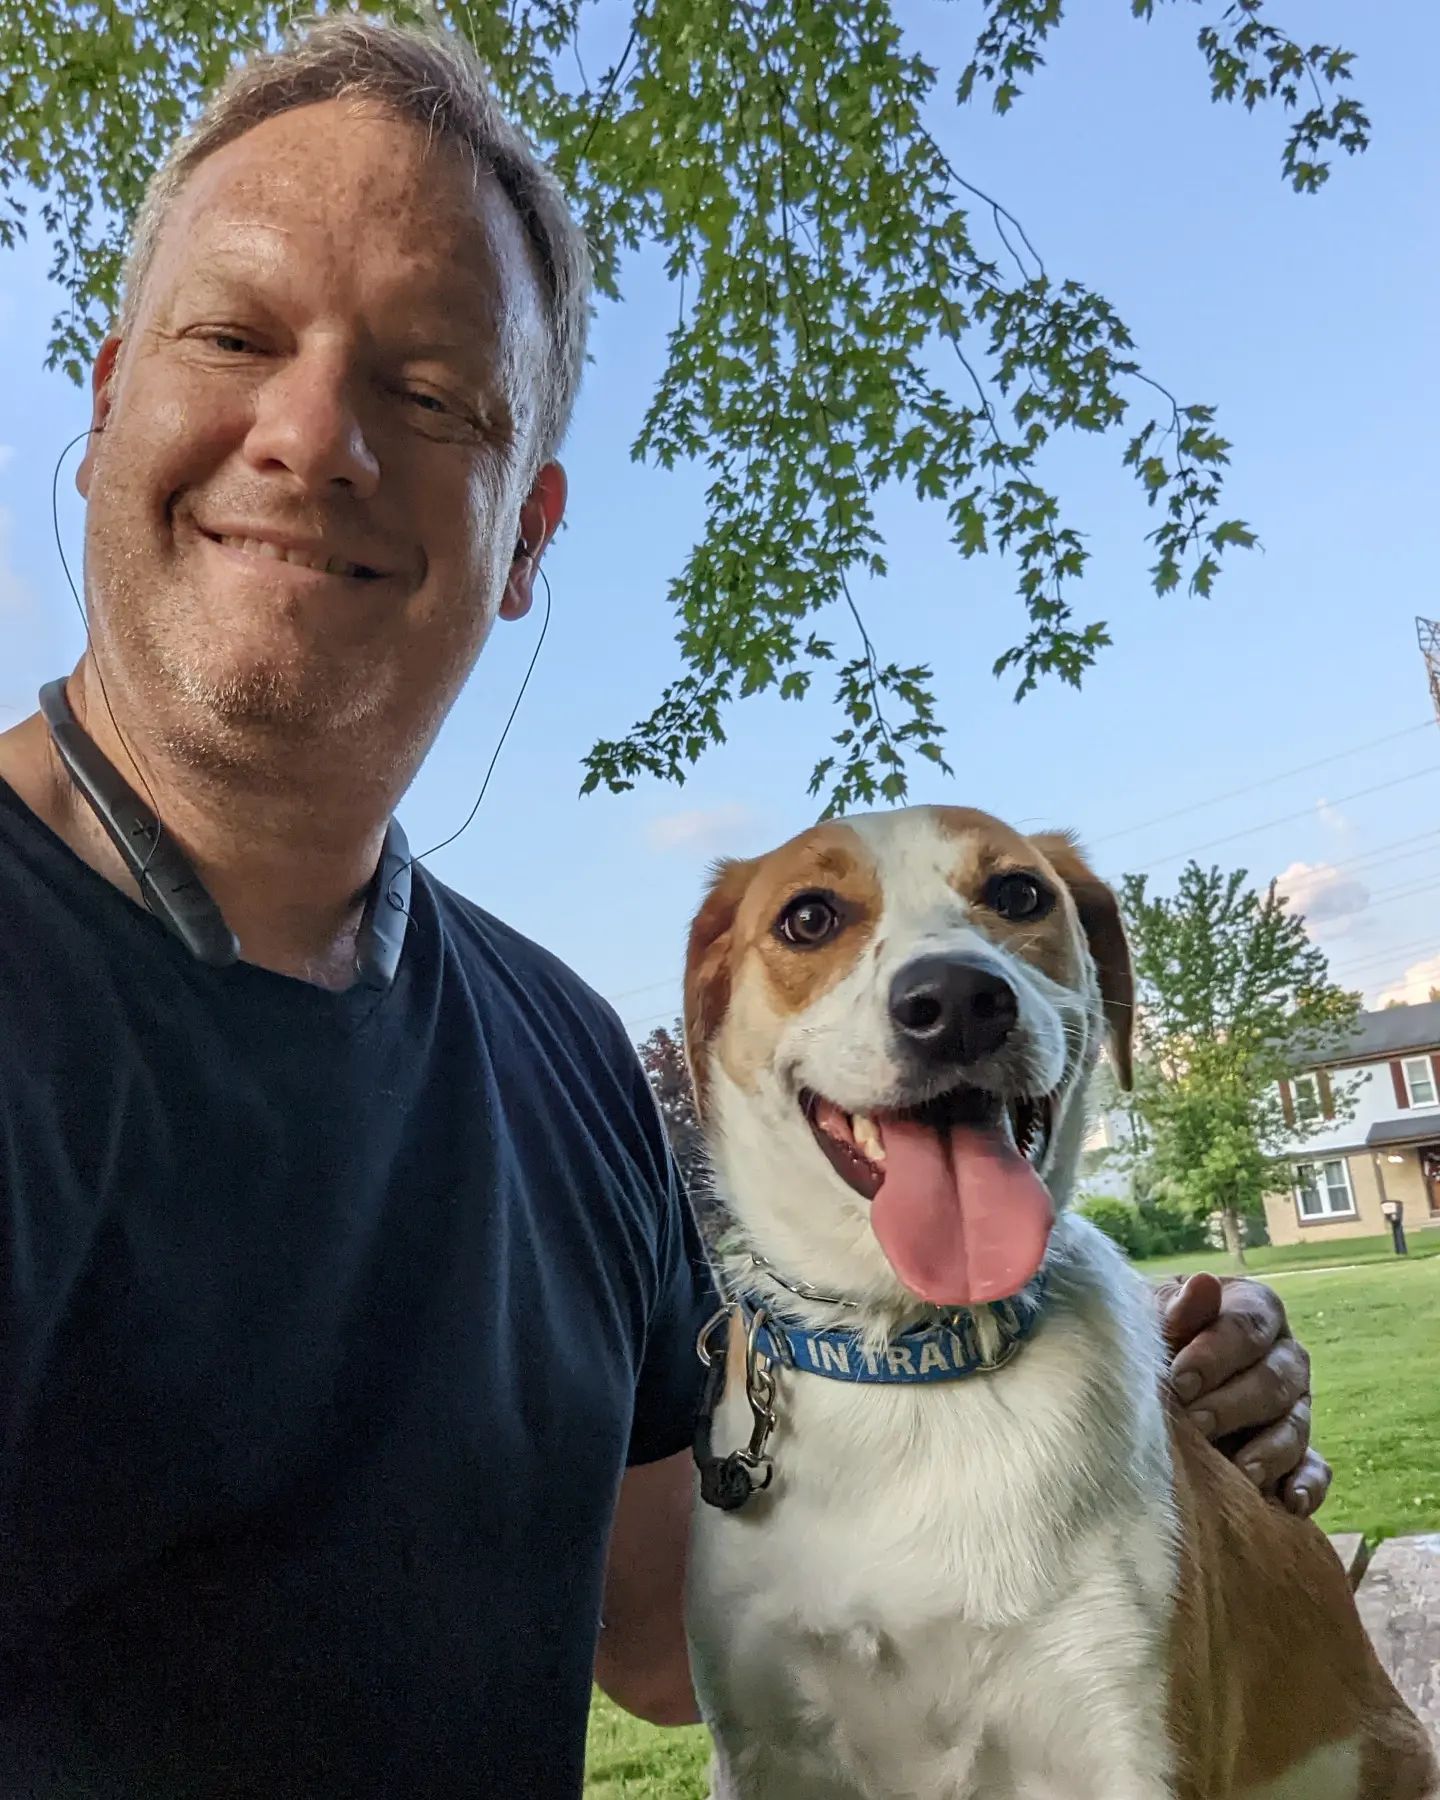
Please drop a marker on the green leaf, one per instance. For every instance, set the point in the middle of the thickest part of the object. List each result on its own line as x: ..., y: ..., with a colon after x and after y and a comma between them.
x: 850, y: 313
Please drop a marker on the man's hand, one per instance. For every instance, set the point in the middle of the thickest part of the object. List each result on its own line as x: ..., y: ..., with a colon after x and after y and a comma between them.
x: 1245, y: 1381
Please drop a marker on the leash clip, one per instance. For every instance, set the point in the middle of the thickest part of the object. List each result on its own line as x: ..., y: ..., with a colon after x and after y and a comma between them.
x: 729, y: 1481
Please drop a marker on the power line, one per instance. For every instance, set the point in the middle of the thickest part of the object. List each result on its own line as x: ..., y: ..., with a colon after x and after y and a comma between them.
x: 1427, y: 886
x: 667, y: 1013
x: 1369, y: 859
x: 1393, y: 952
x: 1411, y: 947
x: 649, y: 988
x: 1419, y: 844
x: 1409, y: 893
x: 1289, y: 818
x: 1265, y: 781
x: 1382, y: 853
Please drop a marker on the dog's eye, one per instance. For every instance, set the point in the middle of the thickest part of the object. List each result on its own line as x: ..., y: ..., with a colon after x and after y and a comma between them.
x: 808, y: 920
x: 1018, y: 897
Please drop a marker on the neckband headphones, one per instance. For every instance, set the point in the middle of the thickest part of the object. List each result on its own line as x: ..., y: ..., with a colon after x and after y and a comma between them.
x: 168, y: 883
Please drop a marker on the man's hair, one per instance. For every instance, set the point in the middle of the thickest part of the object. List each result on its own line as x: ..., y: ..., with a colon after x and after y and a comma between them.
x: 432, y: 79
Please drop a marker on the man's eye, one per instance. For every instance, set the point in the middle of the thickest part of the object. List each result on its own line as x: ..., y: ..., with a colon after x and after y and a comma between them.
x: 230, y: 342
x: 426, y: 402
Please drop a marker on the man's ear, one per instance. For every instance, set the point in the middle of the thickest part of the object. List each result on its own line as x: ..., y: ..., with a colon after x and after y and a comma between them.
x: 540, y: 516
x: 708, y: 968
x: 1099, y: 912
x: 102, y: 377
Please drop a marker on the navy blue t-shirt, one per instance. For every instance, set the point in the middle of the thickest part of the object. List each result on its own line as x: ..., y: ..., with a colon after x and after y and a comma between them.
x: 329, y: 1323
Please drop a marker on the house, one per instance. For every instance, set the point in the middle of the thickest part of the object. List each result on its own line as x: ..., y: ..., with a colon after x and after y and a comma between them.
x: 1106, y: 1157
x: 1388, y: 1150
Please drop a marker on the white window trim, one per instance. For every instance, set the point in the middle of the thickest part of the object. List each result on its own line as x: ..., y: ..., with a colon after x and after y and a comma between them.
x: 1322, y: 1187
x: 1429, y: 1068
x: 1305, y: 1113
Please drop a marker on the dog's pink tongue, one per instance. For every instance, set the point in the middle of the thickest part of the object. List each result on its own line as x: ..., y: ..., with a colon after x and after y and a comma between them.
x: 963, y: 1218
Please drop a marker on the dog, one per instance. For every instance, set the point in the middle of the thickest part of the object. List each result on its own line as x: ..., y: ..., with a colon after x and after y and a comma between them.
x: 953, y: 1540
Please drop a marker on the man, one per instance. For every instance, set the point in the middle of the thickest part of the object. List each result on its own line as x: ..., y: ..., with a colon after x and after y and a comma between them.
x: 344, y: 1324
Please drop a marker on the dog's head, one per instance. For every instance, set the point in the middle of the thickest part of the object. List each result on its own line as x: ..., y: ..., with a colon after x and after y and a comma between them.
x: 890, y: 1022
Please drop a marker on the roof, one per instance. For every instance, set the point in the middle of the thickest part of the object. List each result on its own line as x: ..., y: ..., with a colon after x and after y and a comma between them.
x: 1396, y: 1031
x: 1404, y: 1131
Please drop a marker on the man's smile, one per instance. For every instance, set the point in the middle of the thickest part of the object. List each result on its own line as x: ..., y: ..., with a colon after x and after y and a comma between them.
x: 303, y: 556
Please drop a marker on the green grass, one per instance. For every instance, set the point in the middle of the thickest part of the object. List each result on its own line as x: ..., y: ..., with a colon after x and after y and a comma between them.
x: 1374, y: 1336
x: 630, y: 1761
x: 1267, y: 1259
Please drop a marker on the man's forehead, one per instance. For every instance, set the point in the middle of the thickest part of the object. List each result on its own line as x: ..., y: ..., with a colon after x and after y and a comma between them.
x: 341, y: 177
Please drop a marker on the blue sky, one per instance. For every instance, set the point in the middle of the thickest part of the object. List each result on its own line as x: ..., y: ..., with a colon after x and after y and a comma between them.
x: 1309, y: 323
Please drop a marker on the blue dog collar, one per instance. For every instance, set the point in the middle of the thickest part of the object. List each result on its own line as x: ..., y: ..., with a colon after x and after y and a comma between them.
x: 948, y: 1351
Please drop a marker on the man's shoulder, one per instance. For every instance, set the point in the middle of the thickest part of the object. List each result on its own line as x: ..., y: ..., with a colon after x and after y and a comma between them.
x: 556, y: 1020
x: 481, y: 937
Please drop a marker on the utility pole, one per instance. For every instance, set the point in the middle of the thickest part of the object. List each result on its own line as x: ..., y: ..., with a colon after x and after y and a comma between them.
x: 1428, y: 632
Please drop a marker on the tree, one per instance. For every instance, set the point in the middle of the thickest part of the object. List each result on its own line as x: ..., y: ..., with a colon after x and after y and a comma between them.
x: 1153, y: 1223
x: 663, y: 1057
x: 1231, y: 998
x: 850, y: 309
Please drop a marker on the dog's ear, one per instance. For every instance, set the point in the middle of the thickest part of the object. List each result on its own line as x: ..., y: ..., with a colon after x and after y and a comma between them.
x: 707, y: 967
x: 1100, y: 918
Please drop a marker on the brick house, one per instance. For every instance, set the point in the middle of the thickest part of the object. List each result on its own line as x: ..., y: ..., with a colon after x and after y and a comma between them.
x: 1389, y: 1150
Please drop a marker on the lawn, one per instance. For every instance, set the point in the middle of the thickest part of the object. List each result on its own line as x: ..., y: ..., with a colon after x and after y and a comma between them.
x: 631, y: 1761
x: 1267, y: 1259
x: 1374, y: 1334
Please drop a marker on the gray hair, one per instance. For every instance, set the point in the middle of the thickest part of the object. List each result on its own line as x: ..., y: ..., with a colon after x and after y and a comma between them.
x: 433, y: 79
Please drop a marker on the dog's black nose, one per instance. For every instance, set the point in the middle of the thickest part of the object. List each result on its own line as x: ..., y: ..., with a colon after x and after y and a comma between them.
x: 951, y: 1010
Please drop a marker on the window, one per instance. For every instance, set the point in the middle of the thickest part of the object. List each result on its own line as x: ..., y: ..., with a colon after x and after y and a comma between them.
x: 1322, y: 1189
x: 1307, y: 1097
x: 1419, y: 1080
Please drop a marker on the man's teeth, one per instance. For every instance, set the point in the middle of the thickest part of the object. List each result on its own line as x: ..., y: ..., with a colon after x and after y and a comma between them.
x: 867, y: 1137
x: 303, y: 559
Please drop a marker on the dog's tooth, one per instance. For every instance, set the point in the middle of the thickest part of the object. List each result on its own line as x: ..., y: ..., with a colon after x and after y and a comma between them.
x: 867, y: 1137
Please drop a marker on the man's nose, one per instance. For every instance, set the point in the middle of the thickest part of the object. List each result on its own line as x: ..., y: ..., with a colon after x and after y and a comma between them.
x: 949, y: 1009
x: 308, y: 422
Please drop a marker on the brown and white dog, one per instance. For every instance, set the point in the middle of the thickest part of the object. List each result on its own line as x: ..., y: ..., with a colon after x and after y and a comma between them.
x: 1031, y: 1582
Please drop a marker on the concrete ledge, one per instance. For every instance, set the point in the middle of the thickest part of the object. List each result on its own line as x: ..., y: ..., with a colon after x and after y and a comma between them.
x: 1399, y: 1602
x: 1349, y: 1546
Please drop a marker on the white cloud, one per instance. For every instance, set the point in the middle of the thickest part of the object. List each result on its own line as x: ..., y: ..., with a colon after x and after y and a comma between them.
x: 712, y: 829
x: 1332, y: 817
x: 1322, y: 893
x: 1414, y: 985
x: 14, y: 595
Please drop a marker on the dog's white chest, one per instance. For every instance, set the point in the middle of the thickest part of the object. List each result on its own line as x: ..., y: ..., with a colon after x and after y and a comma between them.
x: 951, y: 1592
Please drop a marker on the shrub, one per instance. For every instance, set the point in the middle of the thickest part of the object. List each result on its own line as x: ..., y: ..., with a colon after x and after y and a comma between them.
x: 1165, y: 1229
x: 1118, y: 1219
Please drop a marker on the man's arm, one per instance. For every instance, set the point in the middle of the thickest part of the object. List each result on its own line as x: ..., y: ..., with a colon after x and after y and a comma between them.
x: 1245, y: 1381
x: 643, y: 1664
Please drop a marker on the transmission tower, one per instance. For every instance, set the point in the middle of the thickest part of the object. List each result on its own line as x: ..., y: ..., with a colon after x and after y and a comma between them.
x: 1428, y: 632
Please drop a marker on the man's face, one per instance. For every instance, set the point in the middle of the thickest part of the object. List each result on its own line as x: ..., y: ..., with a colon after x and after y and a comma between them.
x: 304, y: 503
